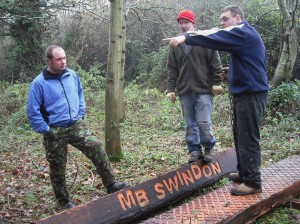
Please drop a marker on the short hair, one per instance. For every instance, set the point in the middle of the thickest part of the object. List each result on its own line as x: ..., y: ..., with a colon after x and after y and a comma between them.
x: 49, y: 50
x: 234, y: 10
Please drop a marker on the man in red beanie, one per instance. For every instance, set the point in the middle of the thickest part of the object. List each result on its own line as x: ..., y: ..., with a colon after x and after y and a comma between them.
x: 194, y: 73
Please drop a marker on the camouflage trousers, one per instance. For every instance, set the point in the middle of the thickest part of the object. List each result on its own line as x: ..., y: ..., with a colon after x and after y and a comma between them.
x: 79, y: 136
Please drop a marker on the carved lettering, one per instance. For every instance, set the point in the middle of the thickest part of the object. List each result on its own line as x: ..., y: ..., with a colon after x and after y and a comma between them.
x: 188, y: 178
x: 180, y: 178
x: 171, y: 184
x: 196, y: 171
x: 126, y: 201
x: 206, y: 170
x: 161, y: 193
x: 216, y: 168
x: 142, y: 197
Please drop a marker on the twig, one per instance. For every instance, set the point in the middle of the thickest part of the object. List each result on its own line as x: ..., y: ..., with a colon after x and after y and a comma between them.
x: 8, y: 202
x: 93, y: 177
x: 34, y: 164
x: 75, y: 175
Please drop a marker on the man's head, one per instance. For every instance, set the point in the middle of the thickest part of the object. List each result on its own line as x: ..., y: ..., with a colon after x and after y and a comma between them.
x: 186, y: 20
x: 56, y: 59
x: 231, y: 16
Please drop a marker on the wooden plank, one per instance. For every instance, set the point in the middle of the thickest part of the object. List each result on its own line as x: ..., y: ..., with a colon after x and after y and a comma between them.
x: 132, y: 203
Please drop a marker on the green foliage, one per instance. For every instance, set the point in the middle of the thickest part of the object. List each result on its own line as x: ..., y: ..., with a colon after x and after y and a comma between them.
x: 152, y: 68
x: 26, y: 22
x: 280, y: 216
x: 93, y: 82
x: 13, y: 99
x: 94, y: 79
x: 285, y: 99
x: 266, y: 19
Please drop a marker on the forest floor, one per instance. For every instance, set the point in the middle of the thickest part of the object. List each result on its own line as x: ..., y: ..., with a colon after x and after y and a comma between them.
x: 153, y: 144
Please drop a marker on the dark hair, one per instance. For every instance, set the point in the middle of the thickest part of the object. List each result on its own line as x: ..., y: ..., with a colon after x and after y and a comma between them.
x: 49, y: 50
x: 234, y: 10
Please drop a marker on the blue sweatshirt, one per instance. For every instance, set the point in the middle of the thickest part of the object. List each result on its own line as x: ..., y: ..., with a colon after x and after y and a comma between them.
x: 55, y: 100
x: 247, y: 68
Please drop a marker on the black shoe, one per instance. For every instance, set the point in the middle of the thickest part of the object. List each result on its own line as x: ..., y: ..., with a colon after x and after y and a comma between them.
x: 208, y: 156
x: 116, y: 187
x: 67, y: 205
x: 195, y: 156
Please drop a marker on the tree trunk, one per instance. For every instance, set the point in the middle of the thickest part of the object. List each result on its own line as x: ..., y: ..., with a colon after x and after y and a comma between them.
x: 122, y: 79
x: 112, y: 97
x: 283, y: 72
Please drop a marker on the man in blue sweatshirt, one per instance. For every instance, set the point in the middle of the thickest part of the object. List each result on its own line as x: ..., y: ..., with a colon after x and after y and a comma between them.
x: 248, y: 84
x: 56, y: 109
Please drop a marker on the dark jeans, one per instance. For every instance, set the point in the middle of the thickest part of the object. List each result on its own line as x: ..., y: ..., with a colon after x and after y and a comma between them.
x: 248, y: 111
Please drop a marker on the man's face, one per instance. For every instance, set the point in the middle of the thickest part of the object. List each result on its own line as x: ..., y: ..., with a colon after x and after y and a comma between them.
x: 227, y: 19
x: 58, y: 63
x: 185, y: 25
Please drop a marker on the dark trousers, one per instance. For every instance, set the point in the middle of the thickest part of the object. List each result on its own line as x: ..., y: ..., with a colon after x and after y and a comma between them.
x: 248, y: 111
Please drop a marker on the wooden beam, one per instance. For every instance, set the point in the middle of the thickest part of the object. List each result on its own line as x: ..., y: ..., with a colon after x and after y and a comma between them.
x: 295, y: 204
x: 135, y: 202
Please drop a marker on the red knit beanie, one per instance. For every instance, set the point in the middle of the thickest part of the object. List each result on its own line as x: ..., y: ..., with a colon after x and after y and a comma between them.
x: 187, y: 14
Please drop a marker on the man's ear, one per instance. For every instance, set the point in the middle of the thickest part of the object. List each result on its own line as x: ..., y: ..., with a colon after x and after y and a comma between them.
x: 48, y: 60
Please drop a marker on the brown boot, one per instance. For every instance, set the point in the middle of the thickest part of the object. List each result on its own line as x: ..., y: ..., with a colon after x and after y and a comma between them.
x: 242, y: 189
x: 235, y: 177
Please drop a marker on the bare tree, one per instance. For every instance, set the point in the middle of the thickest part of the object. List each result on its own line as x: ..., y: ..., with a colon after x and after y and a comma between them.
x: 290, y: 43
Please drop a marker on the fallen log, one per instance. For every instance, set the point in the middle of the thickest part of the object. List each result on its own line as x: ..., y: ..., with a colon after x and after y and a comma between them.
x: 135, y: 202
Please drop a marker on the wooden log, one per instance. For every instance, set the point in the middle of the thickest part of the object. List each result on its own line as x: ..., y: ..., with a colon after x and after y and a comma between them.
x: 135, y: 202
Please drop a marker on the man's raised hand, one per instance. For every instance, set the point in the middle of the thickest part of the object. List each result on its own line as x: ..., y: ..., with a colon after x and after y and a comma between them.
x: 175, y: 41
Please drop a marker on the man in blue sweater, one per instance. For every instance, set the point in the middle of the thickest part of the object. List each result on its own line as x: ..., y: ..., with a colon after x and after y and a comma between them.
x: 56, y: 109
x: 248, y: 84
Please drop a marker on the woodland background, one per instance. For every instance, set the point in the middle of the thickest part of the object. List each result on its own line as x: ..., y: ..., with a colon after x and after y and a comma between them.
x: 152, y: 133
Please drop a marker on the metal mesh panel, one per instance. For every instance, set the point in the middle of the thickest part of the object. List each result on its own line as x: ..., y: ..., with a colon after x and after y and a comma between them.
x: 219, y: 205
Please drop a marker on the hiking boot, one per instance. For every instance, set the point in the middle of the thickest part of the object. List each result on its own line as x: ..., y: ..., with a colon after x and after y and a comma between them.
x: 235, y: 177
x: 242, y: 189
x: 66, y: 205
x: 116, y: 187
x: 195, y: 156
x: 208, y: 157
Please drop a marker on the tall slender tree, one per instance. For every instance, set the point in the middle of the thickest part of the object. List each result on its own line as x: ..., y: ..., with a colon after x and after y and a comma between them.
x: 113, y: 80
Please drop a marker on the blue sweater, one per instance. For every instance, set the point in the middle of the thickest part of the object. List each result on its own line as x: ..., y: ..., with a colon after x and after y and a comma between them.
x: 55, y: 100
x: 247, y: 68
